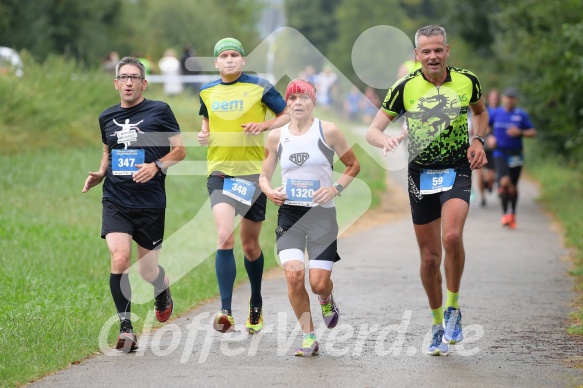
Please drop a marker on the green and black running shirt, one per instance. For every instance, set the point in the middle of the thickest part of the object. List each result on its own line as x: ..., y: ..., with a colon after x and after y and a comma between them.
x: 437, y: 117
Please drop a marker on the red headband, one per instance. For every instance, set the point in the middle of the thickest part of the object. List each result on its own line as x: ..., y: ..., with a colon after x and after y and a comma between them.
x: 302, y: 87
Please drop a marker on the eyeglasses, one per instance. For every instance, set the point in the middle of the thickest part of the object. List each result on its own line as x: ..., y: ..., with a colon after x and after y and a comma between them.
x: 133, y: 77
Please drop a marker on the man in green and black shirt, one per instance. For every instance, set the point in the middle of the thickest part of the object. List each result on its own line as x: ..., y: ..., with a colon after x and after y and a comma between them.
x: 435, y: 101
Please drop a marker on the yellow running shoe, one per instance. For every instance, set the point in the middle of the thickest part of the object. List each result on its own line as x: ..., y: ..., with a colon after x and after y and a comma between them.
x: 254, y: 322
x: 309, y: 346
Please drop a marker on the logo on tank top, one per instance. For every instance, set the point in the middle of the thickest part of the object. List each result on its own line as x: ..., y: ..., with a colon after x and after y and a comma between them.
x: 300, y: 158
x: 128, y: 133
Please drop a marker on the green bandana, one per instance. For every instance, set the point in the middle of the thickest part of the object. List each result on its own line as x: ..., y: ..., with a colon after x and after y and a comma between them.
x: 229, y: 44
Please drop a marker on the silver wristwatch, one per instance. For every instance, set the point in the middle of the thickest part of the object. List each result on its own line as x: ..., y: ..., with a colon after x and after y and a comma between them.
x: 480, y: 138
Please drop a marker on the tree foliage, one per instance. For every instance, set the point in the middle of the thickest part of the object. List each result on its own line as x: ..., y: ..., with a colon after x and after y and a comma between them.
x: 541, y: 44
x: 535, y: 46
x: 530, y: 44
x: 357, y: 18
x: 336, y: 32
x: 473, y: 20
x: 419, y: 13
x: 175, y: 23
x: 88, y: 30
x: 79, y: 29
x: 315, y: 19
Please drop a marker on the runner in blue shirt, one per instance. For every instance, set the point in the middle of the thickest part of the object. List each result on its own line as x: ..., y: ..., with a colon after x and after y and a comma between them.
x: 509, y: 125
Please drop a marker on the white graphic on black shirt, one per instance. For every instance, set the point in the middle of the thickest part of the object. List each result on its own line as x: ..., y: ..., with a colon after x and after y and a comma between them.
x: 128, y: 133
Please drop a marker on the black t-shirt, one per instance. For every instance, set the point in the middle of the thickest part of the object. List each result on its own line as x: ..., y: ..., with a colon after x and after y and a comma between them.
x: 127, y: 131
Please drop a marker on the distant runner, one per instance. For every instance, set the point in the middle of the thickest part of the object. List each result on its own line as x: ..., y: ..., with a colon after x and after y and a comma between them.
x: 509, y: 125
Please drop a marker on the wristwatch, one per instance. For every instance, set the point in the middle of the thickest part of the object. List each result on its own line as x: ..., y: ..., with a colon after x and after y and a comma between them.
x: 159, y: 164
x: 480, y: 138
x: 339, y: 188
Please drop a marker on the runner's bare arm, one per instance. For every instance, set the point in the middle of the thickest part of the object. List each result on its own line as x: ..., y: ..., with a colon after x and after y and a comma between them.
x: 278, y: 121
x: 375, y: 133
x: 277, y: 196
x: 95, y: 178
x: 476, y: 154
x: 203, y: 135
x: 148, y: 171
x: 337, y: 141
x: 177, y: 153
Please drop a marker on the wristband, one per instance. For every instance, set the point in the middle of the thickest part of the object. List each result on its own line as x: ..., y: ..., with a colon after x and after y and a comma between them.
x: 480, y: 138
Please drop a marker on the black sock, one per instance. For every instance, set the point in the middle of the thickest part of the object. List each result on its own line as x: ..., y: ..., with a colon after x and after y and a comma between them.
x: 513, y: 202
x: 255, y: 273
x: 158, y: 283
x: 504, y: 199
x: 121, y: 291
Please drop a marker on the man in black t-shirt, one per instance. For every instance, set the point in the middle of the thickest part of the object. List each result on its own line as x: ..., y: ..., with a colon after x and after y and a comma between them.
x: 141, y: 139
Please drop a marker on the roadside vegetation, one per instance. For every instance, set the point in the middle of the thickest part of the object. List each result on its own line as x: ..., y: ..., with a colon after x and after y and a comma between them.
x: 561, y: 183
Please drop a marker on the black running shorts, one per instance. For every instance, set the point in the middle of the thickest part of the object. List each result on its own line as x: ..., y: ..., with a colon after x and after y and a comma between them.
x: 503, y: 169
x: 146, y: 226
x: 255, y: 212
x: 315, y: 226
x: 427, y: 208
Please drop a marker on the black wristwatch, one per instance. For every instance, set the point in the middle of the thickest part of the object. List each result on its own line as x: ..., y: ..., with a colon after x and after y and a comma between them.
x: 159, y: 164
x: 480, y: 138
x: 339, y: 188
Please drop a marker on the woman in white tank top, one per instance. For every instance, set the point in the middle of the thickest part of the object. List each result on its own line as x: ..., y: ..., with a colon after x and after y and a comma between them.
x: 307, y: 216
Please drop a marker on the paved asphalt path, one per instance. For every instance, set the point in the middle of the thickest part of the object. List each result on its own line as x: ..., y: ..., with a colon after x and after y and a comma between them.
x: 515, y: 297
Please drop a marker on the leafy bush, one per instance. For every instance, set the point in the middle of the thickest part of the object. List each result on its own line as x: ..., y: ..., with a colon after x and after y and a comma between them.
x: 55, y: 104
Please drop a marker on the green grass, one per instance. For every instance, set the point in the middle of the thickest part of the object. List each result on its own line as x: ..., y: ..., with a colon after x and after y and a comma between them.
x: 55, y: 283
x: 561, y: 192
x: 54, y: 103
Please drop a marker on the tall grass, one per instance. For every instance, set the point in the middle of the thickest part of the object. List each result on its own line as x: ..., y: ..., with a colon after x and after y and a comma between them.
x: 54, y: 103
x: 562, y: 190
x: 55, y: 268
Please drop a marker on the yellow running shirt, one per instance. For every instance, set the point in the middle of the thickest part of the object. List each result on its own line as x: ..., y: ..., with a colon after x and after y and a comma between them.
x: 229, y: 105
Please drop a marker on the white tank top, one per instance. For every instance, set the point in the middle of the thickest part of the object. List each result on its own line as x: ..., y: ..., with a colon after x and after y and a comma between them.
x: 306, y: 164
